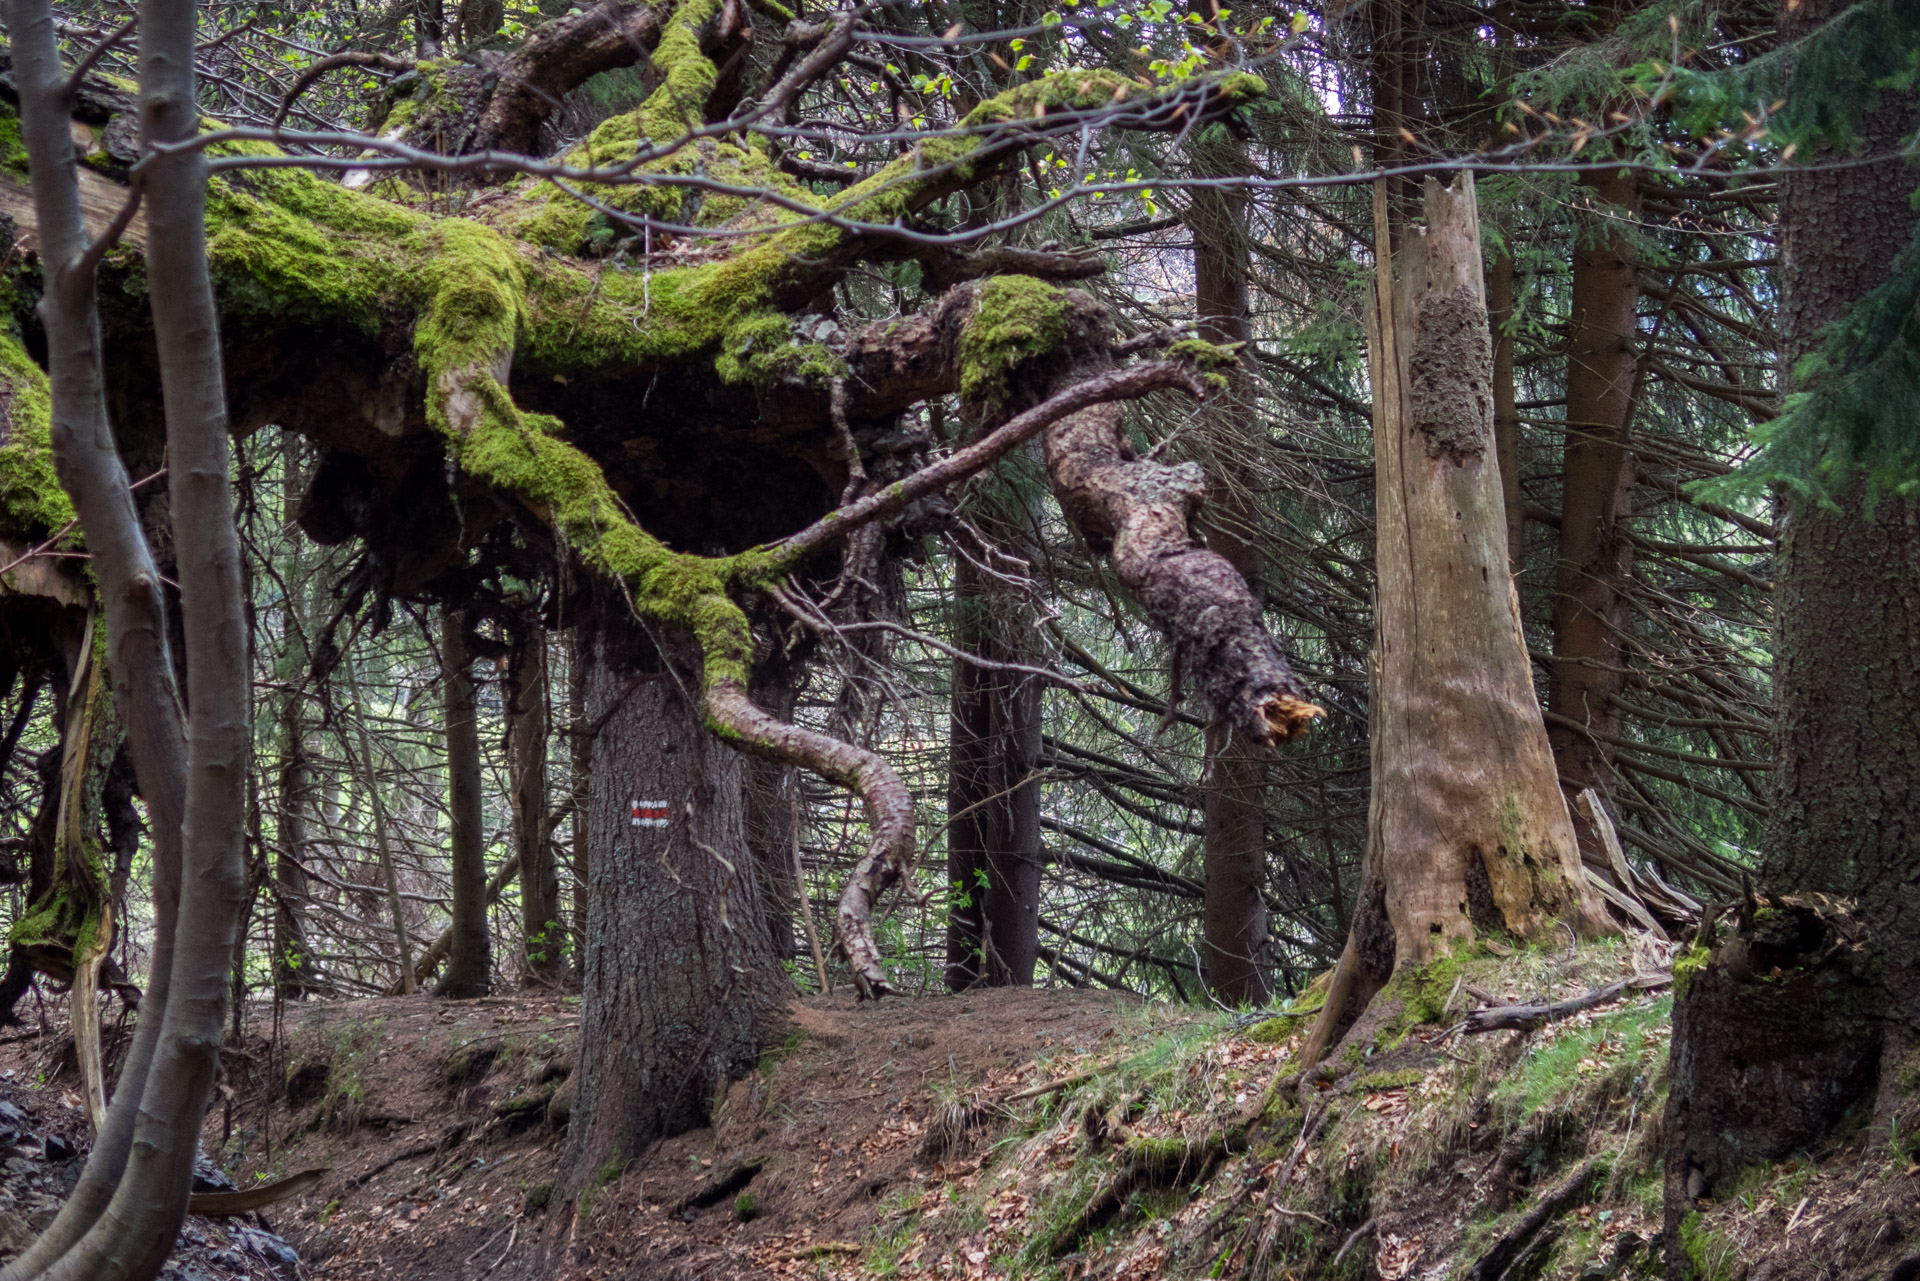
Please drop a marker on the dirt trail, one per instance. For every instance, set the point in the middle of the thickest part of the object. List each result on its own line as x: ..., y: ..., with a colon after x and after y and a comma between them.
x: 437, y: 1120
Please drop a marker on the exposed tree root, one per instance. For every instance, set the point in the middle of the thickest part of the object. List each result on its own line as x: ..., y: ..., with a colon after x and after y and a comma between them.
x: 1499, y: 1259
x: 1146, y: 1163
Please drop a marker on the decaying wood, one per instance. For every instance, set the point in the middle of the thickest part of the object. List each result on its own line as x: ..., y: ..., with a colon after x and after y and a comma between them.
x: 1643, y: 894
x: 1141, y: 513
x: 1524, y: 1018
x: 1467, y: 828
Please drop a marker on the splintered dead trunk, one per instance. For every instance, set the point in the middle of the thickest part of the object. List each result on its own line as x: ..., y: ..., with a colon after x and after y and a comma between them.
x: 470, y: 955
x: 1596, y: 555
x: 1467, y: 831
x: 1235, y: 913
x: 681, y: 986
x: 526, y: 699
x: 993, y: 836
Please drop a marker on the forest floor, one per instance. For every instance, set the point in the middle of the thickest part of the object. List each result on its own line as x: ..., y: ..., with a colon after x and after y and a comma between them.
x: 1048, y: 1133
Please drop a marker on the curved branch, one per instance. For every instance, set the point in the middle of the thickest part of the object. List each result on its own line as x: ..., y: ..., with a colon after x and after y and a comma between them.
x: 1129, y: 383
x: 333, y: 62
x: 750, y: 728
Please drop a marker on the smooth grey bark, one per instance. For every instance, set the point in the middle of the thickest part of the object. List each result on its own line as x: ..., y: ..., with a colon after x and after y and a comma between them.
x: 133, y: 1236
x: 141, y: 665
x: 682, y: 990
x: 470, y: 953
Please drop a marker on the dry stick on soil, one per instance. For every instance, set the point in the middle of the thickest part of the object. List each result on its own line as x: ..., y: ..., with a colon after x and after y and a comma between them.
x: 1495, y: 1262
x: 1525, y: 1018
x: 142, y: 668
x: 1353, y: 1238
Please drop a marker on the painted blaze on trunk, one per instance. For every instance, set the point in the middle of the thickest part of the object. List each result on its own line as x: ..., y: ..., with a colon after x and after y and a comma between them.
x: 677, y: 947
x: 1469, y: 832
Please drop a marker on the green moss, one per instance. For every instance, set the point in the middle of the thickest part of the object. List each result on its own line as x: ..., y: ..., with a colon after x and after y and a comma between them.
x: 1019, y: 318
x: 13, y: 148
x: 1710, y: 1255
x: 746, y: 1206
x: 286, y: 247
x: 1207, y: 355
x: 1296, y: 1017
x: 762, y: 349
x: 1687, y: 967
x: 1390, y: 1080
x: 32, y: 504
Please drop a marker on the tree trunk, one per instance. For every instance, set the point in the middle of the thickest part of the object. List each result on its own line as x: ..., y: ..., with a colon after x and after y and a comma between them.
x: 525, y: 695
x: 682, y: 989
x: 293, y: 960
x: 994, y: 853
x: 469, y: 969
x: 1506, y: 411
x: 1235, y: 914
x: 142, y: 667
x: 1846, y: 814
x: 134, y: 1235
x: 1596, y: 556
x: 580, y: 789
x: 1467, y: 830
x: 369, y: 780
x: 773, y: 808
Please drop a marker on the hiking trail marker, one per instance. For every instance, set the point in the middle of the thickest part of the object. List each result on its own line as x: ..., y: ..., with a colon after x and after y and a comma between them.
x: 649, y: 814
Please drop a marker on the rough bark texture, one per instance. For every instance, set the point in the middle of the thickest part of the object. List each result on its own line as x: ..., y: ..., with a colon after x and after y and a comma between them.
x: 1467, y: 829
x: 579, y: 792
x: 1235, y: 913
x: 1596, y: 555
x: 1141, y: 513
x: 774, y: 807
x: 505, y: 104
x: 686, y: 988
x: 469, y: 969
x: 994, y: 851
x: 1846, y: 813
x: 1776, y: 1037
x: 526, y: 700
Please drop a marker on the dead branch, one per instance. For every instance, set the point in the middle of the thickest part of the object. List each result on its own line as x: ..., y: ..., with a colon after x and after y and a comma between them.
x: 1525, y: 1018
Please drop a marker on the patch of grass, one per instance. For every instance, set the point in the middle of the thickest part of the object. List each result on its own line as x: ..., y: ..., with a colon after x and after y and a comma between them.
x: 1618, y: 1045
x: 1711, y: 1256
